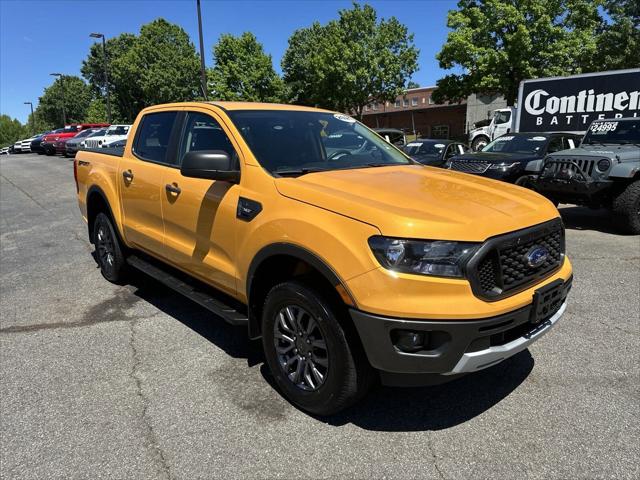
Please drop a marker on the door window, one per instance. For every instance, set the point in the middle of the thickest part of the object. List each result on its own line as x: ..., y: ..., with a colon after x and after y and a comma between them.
x: 202, y: 132
x: 451, y: 151
x: 154, y: 134
x: 502, y: 117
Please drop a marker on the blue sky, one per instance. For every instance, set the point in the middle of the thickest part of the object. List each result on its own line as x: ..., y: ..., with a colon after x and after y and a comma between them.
x: 41, y: 37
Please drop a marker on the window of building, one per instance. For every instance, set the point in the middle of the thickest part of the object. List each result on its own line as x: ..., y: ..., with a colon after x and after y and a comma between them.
x: 414, y: 102
x: 366, y: 107
x: 430, y: 100
x: 397, y: 104
x: 375, y: 106
x: 153, y: 136
x: 405, y: 102
x: 440, y: 131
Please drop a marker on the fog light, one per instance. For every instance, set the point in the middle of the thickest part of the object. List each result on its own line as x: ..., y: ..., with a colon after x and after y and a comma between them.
x: 604, y: 164
x: 408, y: 341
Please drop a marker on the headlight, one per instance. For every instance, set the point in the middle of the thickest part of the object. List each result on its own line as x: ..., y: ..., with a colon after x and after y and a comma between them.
x: 604, y: 164
x: 439, y: 257
x: 504, y: 166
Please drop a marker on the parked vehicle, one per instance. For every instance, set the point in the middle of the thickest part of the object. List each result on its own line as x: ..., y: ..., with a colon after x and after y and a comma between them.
x: 513, y: 158
x: 72, y: 144
x: 569, y: 104
x: 48, y: 143
x: 113, y: 133
x: 603, y: 172
x: 392, y: 135
x: 17, y: 147
x: 36, y: 143
x: 5, y: 150
x: 434, y: 152
x: 115, y: 144
x: 25, y: 146
x: 348, y: 266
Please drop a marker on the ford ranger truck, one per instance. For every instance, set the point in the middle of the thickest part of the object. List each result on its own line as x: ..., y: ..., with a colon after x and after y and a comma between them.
x: 603, y: 172
x: 351, y: 264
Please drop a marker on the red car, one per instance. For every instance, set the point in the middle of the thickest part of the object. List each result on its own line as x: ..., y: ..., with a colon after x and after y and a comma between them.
x: 54, y: 143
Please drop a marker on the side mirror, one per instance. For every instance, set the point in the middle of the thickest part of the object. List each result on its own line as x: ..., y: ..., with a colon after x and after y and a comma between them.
x: 210, y: 164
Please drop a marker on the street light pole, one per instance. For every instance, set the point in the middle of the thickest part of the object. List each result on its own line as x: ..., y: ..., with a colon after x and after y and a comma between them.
x: 64, y: 113
x: 203, y: 72
x: 106, y: 72
x: 33, y: 119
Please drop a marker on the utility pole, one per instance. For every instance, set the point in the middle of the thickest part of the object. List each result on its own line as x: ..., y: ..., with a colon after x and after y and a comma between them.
x: 64, y: 113
x: 106, y: 72
x: 203, y: 72
x: 33, y: 119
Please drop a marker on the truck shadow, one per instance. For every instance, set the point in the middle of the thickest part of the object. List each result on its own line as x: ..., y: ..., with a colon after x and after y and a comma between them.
x: 437, y: 407
x: 385, y: 408
x: 584, y: 218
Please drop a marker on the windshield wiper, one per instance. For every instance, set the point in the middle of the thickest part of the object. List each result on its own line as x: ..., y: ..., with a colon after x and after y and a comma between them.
x: 299, y: 171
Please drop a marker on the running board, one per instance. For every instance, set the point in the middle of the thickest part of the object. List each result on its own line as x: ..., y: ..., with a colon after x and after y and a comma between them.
x: 195, y: 290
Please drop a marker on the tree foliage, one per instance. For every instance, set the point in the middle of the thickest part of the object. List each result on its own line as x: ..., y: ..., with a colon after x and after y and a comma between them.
x: 350, y: 62
x: 160, y: 65
x: 243, y: 71
x: 11, y: 130
x: 497, y: 43
x: 124, y: 94
x: 68, y: 91
x: 619, y: 39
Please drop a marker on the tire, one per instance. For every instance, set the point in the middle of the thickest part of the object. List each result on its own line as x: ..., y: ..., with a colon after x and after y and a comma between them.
x: 524, y: 181
x: 479, y: 143
x: 109, y: 251
x: 345, y: 371
x: 626, y: 209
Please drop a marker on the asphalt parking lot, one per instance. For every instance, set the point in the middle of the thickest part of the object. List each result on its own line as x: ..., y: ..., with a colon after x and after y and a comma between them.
x: 98, y: 380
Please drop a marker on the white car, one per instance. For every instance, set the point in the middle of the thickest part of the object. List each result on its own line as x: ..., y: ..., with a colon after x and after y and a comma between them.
x: 4, y: 151
x: 113, y: 133
x: 26, y: 144
x: 17, y: 147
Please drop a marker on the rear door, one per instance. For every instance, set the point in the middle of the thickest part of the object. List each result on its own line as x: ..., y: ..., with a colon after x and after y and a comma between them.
x: 199, y: 214
x: 140, y: 178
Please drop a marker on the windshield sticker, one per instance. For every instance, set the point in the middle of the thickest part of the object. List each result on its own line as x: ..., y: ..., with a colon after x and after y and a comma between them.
x: 603, y: 127
x: 538, y: 139
x: 414, y: 144
x: 439, y: 145
x: 344, y: 118
x: 505, y: 139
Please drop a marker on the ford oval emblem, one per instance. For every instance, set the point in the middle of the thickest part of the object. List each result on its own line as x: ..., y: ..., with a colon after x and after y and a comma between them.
x: 536, y: 256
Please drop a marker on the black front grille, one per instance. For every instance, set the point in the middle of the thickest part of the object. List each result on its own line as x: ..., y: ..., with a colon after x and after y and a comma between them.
x: 469, y: 167
x: 501, y: 267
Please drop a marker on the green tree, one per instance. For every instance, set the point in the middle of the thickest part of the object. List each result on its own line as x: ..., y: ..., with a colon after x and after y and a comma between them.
x: 497, y: 43
x: 413, y: 84
x: 619, y: 39
x: 243, y: 71
x: 97, y: 111
x: 164, y: 64
x: 125, y: 94
x: 11, y: 130
x: 67, y: 91
x: 350, y: 62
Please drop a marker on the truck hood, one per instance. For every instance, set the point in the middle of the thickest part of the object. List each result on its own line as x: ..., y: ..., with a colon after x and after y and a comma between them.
x: 628, y: 153
x: 496, y: 157
x: 421, y: 202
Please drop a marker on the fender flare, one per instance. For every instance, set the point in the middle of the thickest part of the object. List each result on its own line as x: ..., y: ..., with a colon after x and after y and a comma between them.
x: 295, y: 251
x: 95, y: 189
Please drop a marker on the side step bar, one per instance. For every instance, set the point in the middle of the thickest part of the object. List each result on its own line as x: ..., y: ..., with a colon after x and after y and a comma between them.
x: 191, y: 288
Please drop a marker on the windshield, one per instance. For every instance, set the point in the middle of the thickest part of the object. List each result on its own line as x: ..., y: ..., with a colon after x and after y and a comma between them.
x: 84, y: 133
x: 298, y: 142
x: 619, y: 133
x: 532, y: 144
x: 424, y: 148
x: 117, y: 130
x: 98, y: 133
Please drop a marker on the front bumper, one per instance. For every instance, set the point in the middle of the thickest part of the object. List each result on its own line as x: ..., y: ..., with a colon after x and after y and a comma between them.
x: 452, y: 346
x: 571, y: 190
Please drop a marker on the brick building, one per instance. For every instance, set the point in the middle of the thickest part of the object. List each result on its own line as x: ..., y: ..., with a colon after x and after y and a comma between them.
x: 416, y: 112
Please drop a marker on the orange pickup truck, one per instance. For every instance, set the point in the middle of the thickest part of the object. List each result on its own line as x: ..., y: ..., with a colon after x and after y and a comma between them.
x: 349, y: 260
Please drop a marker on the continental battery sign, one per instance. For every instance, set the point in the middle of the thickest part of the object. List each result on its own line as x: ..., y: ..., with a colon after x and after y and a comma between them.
x: 570, y: 104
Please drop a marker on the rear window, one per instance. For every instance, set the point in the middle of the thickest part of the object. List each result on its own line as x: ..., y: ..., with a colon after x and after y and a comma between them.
x: 153, y: 136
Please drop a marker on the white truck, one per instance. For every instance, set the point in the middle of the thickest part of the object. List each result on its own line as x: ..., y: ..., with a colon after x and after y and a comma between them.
x: 564, y: 104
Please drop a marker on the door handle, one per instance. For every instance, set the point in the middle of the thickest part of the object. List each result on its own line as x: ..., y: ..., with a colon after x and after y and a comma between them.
x: 173, y: 188
x: 128, y: 175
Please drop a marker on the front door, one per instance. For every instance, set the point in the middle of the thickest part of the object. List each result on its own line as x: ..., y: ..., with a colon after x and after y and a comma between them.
x: 140, y: 176
x: 200, y: 215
